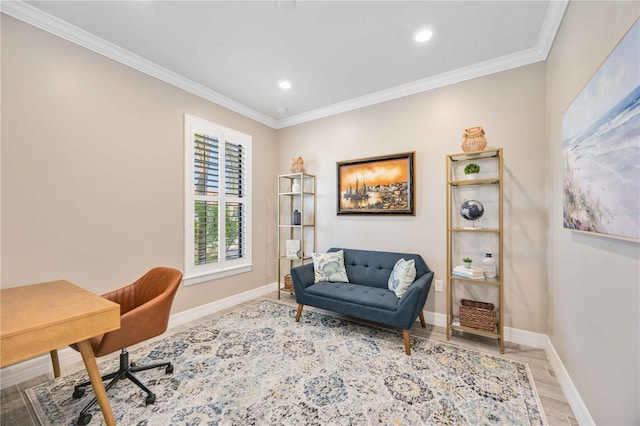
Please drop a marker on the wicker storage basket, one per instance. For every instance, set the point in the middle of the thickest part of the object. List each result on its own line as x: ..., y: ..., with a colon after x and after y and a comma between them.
x: 478, y: 315
x: 288, y: 283
x: 473, y: 139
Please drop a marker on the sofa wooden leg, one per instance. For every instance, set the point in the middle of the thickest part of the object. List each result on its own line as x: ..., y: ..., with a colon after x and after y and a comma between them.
x: 300, y: 305
x: 422, y: 321
x: 407, y: 342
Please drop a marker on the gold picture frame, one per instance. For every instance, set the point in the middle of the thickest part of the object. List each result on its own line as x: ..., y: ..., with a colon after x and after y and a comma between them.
x: 376, y: 185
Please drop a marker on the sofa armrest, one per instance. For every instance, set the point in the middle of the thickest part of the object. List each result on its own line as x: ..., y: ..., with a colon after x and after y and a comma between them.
x: 416, y: 295
x: 302, y: 277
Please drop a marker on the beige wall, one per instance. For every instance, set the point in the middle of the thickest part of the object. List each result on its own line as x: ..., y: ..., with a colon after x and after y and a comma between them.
x: 594, y: 281
x: 92, y: 170
x: 511, y: 108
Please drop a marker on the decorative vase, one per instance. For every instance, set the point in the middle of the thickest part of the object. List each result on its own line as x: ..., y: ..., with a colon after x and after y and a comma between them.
x: 489, y: 265
x: 467, y: 265
x: 295, y: 186
x: 473, y: 139
x: 296, y: 218
x: 297, y: 165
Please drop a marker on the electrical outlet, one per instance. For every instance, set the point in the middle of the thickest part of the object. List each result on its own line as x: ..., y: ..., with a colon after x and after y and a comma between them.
x: 439, y: 285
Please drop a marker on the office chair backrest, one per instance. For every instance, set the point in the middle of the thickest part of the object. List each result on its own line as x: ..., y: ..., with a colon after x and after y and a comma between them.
x: 145, y: 307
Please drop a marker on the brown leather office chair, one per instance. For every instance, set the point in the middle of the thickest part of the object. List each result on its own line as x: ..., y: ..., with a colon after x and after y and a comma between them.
x: 144, y: 313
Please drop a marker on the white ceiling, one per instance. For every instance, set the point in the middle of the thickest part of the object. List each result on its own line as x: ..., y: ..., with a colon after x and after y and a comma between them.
x: 338, y: 55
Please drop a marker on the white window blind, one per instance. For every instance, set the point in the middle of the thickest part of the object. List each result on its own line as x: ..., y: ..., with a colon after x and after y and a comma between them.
x: 217, y: 201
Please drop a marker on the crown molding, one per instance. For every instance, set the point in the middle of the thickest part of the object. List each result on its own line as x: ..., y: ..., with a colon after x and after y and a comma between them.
x: 44, y: 21
x: 552, y: 20
x: 551, y: 24
x: 470, y: 72
x: 36, y: 17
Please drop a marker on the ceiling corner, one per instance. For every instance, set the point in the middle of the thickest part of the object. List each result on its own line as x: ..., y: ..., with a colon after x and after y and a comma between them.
x: 550, y: 26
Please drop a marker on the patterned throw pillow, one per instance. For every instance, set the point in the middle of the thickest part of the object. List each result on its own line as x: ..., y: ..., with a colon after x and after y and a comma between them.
x: 402, y: 276
x: 329, y: 267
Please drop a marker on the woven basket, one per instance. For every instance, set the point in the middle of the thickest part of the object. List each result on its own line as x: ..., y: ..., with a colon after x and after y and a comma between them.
x: 478, y: 315
x: 288, y: 283
x: 473, y: 139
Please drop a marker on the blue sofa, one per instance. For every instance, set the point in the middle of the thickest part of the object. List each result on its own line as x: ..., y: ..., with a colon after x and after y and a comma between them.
x: 366, y: 295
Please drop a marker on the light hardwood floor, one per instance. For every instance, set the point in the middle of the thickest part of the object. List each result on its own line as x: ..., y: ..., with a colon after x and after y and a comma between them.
x: 17, y: 411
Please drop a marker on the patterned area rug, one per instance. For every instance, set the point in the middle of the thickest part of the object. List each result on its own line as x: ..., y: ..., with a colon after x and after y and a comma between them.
x: 256, y: 366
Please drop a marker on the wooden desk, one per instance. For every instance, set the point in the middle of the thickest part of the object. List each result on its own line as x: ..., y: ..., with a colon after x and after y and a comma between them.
x: 40, y: 318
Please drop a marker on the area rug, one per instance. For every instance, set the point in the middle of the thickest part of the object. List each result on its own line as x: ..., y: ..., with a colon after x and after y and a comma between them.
x: 257, y: 366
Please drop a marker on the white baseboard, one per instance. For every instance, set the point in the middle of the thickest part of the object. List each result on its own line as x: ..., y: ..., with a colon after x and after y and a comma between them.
x: 435, y: 318
x: 513, y: 335
x: 219, y: 305
x: 34, y: 367
x: 573, y: 397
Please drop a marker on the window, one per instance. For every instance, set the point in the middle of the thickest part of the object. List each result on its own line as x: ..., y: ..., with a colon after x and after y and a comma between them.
x: 217, y: 201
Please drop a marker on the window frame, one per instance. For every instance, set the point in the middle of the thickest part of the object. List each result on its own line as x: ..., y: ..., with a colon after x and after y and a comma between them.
x: 222, y: 268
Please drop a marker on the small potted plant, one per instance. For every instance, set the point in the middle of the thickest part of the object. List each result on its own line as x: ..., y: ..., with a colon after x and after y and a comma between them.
x: 467, y: 262
x: 471, y: 170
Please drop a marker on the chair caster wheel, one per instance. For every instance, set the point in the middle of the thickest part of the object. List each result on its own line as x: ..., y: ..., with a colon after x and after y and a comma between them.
x: 84, y: 419
x: 132, y: 364
x: 78, y: 393
x: 169, y: 369
x: 151, y: 399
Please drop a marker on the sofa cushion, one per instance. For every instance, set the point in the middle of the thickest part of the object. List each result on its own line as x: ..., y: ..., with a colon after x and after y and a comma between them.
x: 329, y: 267
x: 373, y: 268
x: 402, y: 276
x: 357, y: 294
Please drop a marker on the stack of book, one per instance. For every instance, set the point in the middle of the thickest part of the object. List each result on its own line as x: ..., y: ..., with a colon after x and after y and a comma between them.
x: 472, y: 273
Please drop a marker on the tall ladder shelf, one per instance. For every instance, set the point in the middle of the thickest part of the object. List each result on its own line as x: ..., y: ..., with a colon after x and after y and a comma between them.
x: 296, y: 191
x: 464, y: 240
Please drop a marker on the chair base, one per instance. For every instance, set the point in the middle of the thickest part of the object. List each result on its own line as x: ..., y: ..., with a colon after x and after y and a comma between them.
x: 125, y: 371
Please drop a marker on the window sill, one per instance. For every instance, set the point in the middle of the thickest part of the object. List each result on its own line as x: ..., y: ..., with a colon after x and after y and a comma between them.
x: 210, y: 276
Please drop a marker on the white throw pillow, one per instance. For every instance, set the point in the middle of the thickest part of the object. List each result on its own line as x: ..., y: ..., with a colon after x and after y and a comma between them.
x: 402, y: 276
x: 329, y: 267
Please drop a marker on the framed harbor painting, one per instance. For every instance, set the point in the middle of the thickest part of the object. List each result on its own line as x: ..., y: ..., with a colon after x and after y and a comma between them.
x: 601, y: 147
x: 376, y: 185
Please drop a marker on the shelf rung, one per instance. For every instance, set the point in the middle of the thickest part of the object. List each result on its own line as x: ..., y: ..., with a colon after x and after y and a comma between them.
x: 490, y: 230
x: 296, y: 193
x: 475, y: 155
x: 492, y: 281
x: 475, y: 182
x: 475, y: 331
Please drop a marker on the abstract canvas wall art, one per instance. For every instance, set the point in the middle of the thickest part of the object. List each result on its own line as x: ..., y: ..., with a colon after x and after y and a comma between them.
x: 601, y: 147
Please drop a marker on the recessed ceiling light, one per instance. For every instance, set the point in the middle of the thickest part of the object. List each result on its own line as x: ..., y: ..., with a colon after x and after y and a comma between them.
x: 422, y: 35
x: 284, y: 84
